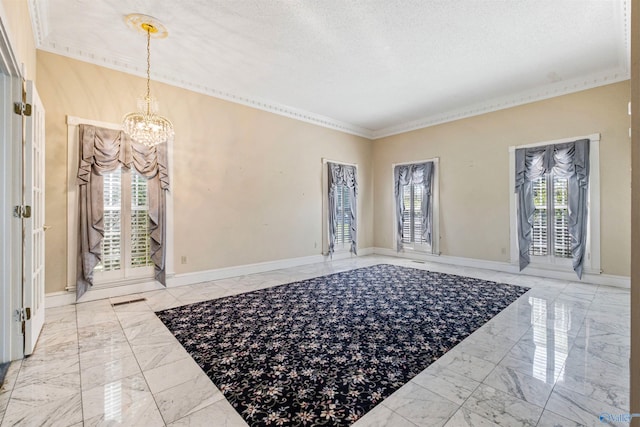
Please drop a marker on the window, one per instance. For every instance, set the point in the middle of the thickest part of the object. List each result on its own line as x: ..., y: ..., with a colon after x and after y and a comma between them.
x: 416, y: 206
x: 550, y: 233
x: 542, y: 207
x: 126, y: 249
x: 341, y: 220
x: 136, y: 204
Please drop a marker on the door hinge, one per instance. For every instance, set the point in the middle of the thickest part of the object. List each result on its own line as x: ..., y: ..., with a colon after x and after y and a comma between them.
x: 22, y: 211
x: 23, y: 314
x: 22, y: 109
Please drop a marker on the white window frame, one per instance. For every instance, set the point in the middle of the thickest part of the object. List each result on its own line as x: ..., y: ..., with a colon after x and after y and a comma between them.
x: 341, y: 249
x: 73, y: 124
x: 592, y: 252
x: 419, y: 248
x: 125, y: 273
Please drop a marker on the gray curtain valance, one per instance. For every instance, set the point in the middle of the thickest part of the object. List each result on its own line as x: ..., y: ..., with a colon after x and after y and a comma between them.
x: 568, y: 160
x: 346, y: 175
x: 415, y: 174
x: 104, y: 150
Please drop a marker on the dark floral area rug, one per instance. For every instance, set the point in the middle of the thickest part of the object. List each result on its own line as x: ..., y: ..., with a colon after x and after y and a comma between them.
x: 324, y: 351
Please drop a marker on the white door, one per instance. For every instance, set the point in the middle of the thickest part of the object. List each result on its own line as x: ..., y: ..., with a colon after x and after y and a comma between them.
x: 33, y: 286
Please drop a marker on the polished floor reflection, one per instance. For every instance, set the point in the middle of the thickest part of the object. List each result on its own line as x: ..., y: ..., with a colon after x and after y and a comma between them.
x: 558, y: 356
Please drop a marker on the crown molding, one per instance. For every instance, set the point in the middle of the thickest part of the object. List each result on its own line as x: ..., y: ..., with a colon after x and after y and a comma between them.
x: 271, y: 107
x: 564, y: 87
x: 495, y: 104
x: 39, y: 10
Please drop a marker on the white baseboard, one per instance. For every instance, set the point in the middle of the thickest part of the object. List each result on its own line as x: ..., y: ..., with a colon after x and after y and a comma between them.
x: 57, y: 299
x: 591, y: 278
x: 345, y: 254
x: 184, y: 279
x: 445, y: 259
x: 261, y: 267
x: 366, y: 251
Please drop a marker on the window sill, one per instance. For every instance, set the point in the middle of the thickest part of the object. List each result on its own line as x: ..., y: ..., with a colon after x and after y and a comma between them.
x: 423, y: 251
x: 101, y: 284
x: 341, y: 253
x: 566, y: 268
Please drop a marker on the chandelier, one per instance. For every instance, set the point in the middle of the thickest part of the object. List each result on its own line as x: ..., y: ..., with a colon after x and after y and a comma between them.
x: 145, y: 125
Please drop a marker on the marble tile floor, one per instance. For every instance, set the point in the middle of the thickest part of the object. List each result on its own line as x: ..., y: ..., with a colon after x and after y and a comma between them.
x: 558, y: 356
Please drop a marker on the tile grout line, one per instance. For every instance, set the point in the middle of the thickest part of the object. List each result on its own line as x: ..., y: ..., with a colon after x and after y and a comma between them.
x: 496, y: 365
x: 460, y: 407
x: 555, y: 381
x: 188, y: 357
x: 396, y: 413
x: 155, y: 402
x: 13, y: 386
x: 75, y: 307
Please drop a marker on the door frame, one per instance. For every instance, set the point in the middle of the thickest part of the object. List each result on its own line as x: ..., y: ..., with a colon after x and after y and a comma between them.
x: 11, y: 75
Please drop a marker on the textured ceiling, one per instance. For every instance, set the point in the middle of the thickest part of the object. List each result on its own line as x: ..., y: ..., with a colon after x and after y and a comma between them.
x: 368, y: 67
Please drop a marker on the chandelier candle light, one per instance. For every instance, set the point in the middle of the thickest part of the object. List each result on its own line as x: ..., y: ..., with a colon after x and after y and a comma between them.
x: 145, y: 126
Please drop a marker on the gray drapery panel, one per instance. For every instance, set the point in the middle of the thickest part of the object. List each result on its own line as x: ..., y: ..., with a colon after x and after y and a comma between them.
x: 104, y: 150
x: 416, y: 174
x: 342, y: 175
x: 568, y: 160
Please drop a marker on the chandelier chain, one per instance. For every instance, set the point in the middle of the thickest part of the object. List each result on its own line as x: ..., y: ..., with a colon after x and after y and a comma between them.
x: 148, y: 71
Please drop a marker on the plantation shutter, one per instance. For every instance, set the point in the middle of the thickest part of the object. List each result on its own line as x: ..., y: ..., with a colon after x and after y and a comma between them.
x: 112, y: 240
x: 418, y: 234
x: 561, y: 236
x: 412, y: 218
x: 343, y: 230
x: 342, y: 222
x: 126, y: 242
x: 140, y: 242
x: 539, y: 241
x: 406, y: 215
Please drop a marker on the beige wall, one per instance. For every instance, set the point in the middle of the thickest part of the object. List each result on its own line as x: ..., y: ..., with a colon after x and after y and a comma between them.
x: 474, y: 171
x: 246, y: 184
x: 19, y: 27
x: 224, y: 149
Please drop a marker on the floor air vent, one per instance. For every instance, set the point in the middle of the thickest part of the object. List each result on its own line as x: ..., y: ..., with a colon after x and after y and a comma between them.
x: 128, y: 302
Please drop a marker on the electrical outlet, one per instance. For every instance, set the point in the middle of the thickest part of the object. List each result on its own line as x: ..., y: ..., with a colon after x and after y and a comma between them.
x: 183, y: 259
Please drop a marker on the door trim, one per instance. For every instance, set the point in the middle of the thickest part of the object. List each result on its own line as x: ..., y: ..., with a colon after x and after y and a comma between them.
x: 11, y: 339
